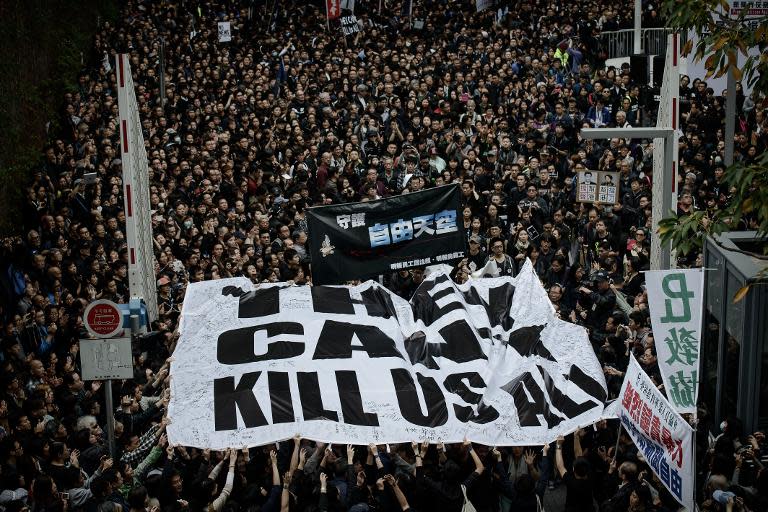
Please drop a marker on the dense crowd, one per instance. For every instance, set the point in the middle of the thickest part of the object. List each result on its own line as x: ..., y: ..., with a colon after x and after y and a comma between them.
x: 289, y: 115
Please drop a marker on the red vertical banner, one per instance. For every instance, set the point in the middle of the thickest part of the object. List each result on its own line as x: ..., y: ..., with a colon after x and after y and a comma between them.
x: 333, y: 7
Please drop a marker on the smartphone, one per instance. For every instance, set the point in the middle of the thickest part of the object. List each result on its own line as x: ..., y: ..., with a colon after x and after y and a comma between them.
x: 64, y: 496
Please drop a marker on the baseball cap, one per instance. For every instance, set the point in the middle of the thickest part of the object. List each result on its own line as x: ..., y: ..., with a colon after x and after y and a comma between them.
x: 163, y: 281
x: 601, y: 275
x: 475, y: 239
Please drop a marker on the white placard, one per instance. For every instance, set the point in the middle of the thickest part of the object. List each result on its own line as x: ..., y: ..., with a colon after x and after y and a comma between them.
x: 225, y: 31
x: 487, y: 360
x: 482, y: 5
x: 675, y: 299
x: 663, y: 437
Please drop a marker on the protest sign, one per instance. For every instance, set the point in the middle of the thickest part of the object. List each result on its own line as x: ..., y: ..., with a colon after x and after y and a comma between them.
x: 333, y: 9
x: 599, y: 187
x: 358, y: 240
x: 675, y: 299
x: 225, y: 31
x: 349, y: 25
x: 482, y: 5
x: 662, y: 436
x: 487, y: 360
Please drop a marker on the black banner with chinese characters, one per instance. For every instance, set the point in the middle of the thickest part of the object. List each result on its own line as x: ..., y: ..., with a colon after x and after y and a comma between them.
x: 360, y: 240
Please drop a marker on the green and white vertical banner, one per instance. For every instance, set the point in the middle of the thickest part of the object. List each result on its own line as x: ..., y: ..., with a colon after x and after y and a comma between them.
x: 675, y: 299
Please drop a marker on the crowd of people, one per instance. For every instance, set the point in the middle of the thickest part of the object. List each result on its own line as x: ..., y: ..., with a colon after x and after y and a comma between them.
x: 291, y: 114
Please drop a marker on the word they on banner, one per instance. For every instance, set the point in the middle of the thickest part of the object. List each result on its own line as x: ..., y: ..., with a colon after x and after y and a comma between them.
x: 487, y: 360
x: 675, y: 300
x: 359, y: 240
x: 663, y: 437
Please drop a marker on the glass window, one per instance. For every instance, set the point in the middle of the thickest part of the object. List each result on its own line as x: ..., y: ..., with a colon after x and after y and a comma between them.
x: 711, y: 338
x: 763, y: 369
x: 734, y: 329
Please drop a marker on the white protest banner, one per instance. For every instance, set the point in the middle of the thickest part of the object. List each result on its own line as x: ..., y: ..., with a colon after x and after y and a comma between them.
x: 663, y: 437
x: 487, y: 360
x: 675, y: 299
x: 225, y: 31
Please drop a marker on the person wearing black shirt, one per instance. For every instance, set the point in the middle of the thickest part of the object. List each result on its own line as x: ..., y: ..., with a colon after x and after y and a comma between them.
x: 602, y: 301
x: 579, y: 493
x: 476, y: 256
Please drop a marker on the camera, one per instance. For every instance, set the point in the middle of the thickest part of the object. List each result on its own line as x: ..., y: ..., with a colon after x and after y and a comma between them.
x: 586, y: 283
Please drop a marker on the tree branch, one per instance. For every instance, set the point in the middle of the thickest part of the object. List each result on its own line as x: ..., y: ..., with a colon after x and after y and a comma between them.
x: 758, y: 256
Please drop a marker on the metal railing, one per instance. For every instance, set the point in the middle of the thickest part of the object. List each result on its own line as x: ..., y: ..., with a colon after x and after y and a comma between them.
x: 620, y: 43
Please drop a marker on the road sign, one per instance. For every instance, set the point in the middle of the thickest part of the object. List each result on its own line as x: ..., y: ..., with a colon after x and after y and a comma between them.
x: 103, y: 318
x: 104, y: 359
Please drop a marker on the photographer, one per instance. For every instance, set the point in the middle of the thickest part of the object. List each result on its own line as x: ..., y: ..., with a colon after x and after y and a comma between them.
x: 599, y: 297
x: 534, y: 204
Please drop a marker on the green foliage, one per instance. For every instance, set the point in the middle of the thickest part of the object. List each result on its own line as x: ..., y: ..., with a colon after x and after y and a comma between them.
x: 722, y: 38
x: 749, y: 184
x: 44, y: 45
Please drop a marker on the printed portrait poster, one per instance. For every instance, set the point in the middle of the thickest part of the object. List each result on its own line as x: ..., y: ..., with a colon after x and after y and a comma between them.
x: 608, y: 192
x: 587, y: 191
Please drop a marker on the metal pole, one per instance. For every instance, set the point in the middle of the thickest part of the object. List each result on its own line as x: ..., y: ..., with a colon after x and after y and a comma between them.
x: 637, y: 47
x: 110, y: 419
x: 669, y: 199
x: 730, y: 117
x: 135, y: 327
x: 162, y: 72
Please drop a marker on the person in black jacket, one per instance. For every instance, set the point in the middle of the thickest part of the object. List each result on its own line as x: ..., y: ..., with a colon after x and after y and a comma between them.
x: 448, y: 494
x: 619, y: 485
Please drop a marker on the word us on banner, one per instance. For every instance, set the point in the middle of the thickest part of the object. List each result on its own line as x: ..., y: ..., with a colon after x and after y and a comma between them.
x: 487, y: 360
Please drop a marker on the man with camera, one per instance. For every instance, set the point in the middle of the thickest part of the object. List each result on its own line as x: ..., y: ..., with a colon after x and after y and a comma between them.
x: 535, y: 203
x: 598, y: 299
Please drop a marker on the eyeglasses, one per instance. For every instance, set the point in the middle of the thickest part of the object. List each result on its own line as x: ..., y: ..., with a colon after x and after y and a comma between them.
x: 497, y: 246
